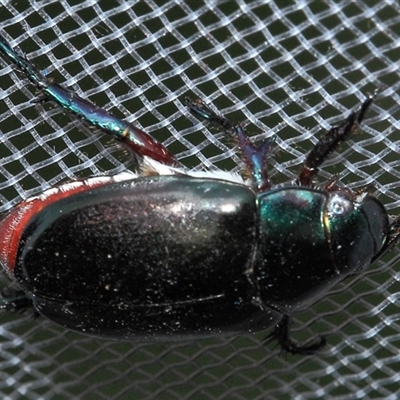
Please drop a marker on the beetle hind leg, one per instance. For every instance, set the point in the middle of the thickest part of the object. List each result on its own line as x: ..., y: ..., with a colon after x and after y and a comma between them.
x: 281, y: 333
x: 15, y: 300
x: 140, y: 143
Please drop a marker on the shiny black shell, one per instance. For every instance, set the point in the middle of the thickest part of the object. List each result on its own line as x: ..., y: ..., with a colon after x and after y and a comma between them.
x: 167, y: 257
x: 152, y: 257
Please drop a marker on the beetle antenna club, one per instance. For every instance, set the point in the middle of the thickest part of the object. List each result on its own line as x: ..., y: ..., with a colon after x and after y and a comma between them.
x: 171, y: 254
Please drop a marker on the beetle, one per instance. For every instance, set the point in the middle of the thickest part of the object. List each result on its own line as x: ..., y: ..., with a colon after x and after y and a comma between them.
x: 166, y: 253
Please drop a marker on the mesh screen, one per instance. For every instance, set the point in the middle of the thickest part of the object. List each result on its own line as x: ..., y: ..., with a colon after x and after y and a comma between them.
x: 290, y: 69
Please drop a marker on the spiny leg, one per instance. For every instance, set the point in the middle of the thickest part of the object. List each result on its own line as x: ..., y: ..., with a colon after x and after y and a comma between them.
x: 254, y: 157
x: 139, y: 142
x: 327, y: 144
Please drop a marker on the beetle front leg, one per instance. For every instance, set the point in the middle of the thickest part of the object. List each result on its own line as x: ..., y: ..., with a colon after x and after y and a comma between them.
x: 327, y: 144
x: 254, y: 157
x: 281, y: 333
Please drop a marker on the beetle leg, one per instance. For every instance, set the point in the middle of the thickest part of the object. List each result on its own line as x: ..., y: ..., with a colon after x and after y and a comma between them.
x: 15, y: 300
x: 327, y: 144
x: 253, y: 156
x: 139, y: 142
x: 281, y: 333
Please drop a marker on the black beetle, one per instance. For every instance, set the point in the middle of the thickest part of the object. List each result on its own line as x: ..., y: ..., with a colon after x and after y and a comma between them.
x: 166, y: 254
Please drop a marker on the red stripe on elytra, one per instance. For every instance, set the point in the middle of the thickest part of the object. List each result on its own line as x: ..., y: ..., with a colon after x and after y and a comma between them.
x: 12, y: 226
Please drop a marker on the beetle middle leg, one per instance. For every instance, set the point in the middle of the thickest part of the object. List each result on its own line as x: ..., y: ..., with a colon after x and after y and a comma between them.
x: 327, y: 144
x: 254, y: 157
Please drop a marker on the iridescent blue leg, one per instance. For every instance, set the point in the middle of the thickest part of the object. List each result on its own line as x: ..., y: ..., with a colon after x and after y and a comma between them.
x: 139, y: 142
x: 254, y: 157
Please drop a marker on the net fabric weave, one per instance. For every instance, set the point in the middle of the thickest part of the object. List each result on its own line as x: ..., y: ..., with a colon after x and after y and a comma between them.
x: 290, y: 70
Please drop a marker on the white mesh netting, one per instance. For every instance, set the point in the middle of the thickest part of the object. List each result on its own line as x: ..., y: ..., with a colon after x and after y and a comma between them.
x: 291, y: 69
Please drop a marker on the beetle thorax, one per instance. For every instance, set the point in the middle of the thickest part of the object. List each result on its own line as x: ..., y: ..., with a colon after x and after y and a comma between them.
x: 310, y: 240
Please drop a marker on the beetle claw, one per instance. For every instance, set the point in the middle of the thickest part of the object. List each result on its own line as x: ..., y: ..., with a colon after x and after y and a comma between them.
x: 281, y: 333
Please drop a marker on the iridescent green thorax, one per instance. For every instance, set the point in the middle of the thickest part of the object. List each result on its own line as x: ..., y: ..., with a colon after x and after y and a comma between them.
x: 305, y: 245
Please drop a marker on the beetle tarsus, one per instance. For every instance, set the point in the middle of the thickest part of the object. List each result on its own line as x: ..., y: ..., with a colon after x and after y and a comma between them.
x: 201, y: 110
x: 281, y: 333
x: 327, y: 144
x: 254, y: 157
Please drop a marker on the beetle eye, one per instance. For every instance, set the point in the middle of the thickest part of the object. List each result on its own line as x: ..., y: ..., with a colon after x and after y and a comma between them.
x: 339, y: 205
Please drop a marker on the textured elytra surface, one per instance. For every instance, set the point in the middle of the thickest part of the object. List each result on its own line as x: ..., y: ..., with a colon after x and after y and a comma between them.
x: 290, y: 71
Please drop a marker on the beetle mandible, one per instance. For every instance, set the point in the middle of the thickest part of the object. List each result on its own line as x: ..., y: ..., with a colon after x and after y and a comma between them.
x: 166, y: 253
